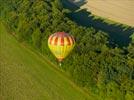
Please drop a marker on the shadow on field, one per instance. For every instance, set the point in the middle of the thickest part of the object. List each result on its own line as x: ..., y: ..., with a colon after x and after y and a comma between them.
x: 118, y: 33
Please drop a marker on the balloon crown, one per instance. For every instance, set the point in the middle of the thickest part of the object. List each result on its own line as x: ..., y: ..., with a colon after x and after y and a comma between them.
x: 62, y: 34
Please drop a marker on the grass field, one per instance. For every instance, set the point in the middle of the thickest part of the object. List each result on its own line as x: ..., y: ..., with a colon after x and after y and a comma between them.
x: 117, y: 10
x: 24, y: 75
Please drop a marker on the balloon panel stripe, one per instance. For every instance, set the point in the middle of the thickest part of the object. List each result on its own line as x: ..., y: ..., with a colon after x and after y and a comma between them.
x: 59, y: 38
x: 53, y: 40
x: 71, y: 42
x: 62, y: 41
x: 65, y: 41
x: 68, y: 40
x: 50, y: 39
x: 56, y: 41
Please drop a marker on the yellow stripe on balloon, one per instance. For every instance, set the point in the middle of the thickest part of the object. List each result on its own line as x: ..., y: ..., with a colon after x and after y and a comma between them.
x: 65, y: 41
x: 59, y: 41
x: 71, y: 41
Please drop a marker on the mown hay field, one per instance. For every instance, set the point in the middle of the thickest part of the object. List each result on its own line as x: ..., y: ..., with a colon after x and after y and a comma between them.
x: 121, y: 11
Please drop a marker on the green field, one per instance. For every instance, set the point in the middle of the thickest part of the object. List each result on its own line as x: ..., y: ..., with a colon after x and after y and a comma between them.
x: 24, y: 75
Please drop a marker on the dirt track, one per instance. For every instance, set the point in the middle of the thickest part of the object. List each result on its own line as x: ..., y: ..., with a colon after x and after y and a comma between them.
x: 117, y: 10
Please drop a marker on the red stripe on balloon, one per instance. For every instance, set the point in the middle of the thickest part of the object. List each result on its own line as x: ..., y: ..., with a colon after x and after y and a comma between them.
x: 56, y: 41
x: 68, y: 40
x: 62, y: 41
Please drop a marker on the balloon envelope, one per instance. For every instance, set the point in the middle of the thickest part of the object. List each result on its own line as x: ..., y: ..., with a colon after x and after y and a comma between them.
x: 61, y: 44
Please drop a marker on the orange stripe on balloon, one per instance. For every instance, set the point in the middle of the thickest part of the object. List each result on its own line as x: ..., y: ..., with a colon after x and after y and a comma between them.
x: 68, y: 40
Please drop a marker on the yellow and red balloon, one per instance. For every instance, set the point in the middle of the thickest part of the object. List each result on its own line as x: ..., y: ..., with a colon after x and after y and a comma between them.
x: 61, y: 44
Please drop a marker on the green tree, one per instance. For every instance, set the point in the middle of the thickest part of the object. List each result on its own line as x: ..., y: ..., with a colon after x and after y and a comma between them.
x: 36, y: 38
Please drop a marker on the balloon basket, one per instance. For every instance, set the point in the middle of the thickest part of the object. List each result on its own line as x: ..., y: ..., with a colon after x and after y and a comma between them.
x: 60, y: 64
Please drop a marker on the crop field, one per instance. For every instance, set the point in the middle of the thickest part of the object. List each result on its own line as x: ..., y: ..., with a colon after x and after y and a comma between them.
x: 121, y: 11
x: 24, y: 75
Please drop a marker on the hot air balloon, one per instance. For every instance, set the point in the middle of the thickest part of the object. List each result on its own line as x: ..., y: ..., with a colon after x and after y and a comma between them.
x: 61, y: 44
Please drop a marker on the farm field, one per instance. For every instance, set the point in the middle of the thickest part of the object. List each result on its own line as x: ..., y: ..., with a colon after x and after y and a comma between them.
x: 117, y: 10
x: 24, y: 75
